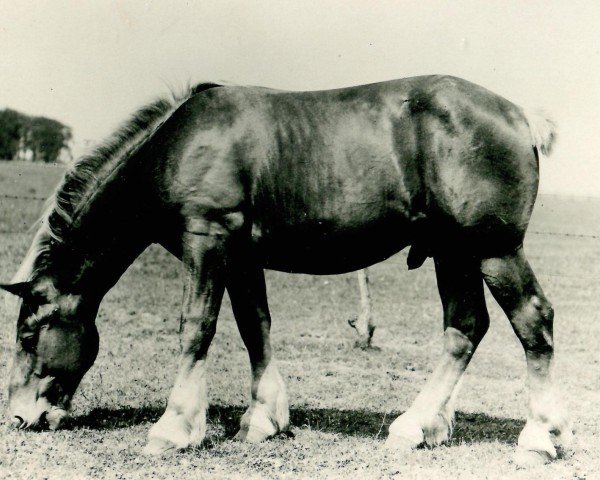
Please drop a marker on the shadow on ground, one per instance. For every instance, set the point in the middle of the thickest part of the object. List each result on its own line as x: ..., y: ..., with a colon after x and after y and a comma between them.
x: 469, y: 428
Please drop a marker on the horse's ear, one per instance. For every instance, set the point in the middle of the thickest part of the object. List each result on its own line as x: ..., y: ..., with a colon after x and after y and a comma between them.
x: 21, y: 289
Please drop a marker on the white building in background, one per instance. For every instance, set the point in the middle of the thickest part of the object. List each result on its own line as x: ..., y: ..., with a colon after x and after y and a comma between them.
x: 26, y: 154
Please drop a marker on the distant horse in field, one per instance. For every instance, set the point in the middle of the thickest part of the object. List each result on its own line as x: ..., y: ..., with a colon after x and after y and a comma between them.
x: 363, y: 323
x: 233, y: 180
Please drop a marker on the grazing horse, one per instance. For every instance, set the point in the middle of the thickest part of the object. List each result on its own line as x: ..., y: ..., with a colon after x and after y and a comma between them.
x: 233, y: 180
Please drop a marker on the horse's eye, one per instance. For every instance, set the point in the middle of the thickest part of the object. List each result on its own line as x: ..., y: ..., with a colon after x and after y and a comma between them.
x: 28, y: 341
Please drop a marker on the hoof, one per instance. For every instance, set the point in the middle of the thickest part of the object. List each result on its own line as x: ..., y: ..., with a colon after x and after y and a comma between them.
x: 258, y: 424
x: 405, y: 433
x: 535, y: 446
x: 400, y: 444
x: 531, y: 458
x: 439, y: 431
x: 252, y: 435
x: 565, y: 438
x: 564, y: 442
x: 159, y: 446
x: 364, y: 338
x: 365, y: 344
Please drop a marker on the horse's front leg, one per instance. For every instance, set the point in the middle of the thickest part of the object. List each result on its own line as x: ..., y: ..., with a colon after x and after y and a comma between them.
x: 183, y: 423
x: 430, y: 418
x: 268, y: 412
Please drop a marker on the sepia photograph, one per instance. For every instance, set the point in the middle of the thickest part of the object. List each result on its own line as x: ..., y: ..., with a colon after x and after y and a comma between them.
x: 299, y: 239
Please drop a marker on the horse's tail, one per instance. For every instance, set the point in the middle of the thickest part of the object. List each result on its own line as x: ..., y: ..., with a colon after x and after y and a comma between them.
x: 542, y: 129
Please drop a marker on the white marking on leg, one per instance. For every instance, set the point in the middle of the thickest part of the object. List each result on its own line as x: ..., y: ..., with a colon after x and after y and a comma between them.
x: 430, y: 418
x: 546, y: 412
x: 184, y: 421
x: 268, y: 413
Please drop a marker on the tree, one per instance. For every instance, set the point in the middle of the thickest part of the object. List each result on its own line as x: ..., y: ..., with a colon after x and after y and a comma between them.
x: 11, y: 131
x: 32, y: 138
x: 47, y: 138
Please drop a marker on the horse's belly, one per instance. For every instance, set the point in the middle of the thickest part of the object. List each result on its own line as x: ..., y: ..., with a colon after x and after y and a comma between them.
x: 317, y: 249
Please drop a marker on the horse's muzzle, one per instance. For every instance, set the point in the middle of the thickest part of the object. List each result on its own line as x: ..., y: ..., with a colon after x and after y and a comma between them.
x: 19, y: 423
x: 52, y: 419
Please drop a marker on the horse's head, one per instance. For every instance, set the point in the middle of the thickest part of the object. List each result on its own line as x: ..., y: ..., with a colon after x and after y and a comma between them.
x: 57, y: 342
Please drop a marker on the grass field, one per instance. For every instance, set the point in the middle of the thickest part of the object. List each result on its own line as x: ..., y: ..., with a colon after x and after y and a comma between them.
x: 342, y: 399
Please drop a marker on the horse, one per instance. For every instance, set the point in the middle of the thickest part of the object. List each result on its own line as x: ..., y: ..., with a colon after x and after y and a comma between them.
x: 233, y: 180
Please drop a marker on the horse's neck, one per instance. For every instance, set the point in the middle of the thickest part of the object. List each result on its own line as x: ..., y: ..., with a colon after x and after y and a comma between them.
x: 90, y: 272
x: 114, y: 230
x: 94, y: 253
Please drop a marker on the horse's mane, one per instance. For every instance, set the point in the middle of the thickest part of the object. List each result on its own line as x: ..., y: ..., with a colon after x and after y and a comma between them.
x: 86, y: 176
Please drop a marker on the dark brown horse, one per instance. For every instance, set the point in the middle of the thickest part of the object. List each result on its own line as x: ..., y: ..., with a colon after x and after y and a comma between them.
x: 233, y: 180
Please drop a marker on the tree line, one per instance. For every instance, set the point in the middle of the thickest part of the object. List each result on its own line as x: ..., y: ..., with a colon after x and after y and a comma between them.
x: 37, y: 139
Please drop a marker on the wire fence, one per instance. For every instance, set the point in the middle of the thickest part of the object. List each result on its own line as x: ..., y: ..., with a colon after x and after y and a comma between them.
x: 23, y: 197
x: 589, y: 236
x: 535, y: 232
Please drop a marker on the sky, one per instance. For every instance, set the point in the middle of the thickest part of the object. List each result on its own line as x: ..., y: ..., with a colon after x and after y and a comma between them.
x: 91, y: 63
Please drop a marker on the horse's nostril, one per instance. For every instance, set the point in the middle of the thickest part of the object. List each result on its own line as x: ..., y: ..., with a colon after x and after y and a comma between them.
x: 17, y: 422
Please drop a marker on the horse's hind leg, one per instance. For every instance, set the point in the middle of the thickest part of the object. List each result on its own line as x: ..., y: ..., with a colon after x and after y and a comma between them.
x: 268, y: 412
x: 430, y: 417
x: 516, y: 289
x: 364, y: 322
x: 184, y: 422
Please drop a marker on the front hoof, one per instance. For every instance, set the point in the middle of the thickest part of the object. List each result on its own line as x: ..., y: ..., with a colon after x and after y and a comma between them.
x: 405, y: 433
x: 257, y: 424
x: 159, y: 446
x: 524, y: 458
x: 400, y: 444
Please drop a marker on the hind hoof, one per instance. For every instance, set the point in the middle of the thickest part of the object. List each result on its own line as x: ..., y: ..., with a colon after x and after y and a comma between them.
x: 252, y: 435
x: 530, y: 458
